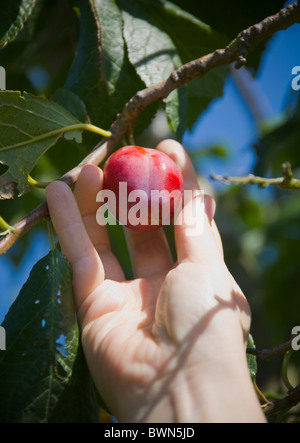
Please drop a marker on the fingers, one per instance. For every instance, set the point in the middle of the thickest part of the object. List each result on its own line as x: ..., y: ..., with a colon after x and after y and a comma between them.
x: 217, y: 237
x: 149, y: 251
x: 201, y: 241
x: 88, y: 272
x: 88, y: 184
x: 210, y: 209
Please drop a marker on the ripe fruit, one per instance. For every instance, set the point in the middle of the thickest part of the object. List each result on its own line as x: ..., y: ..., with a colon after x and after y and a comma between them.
x: 142, y: 180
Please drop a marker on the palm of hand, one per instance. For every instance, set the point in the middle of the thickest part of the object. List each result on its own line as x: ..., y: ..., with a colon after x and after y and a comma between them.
x: 139, y: 354
x: 139, y: 335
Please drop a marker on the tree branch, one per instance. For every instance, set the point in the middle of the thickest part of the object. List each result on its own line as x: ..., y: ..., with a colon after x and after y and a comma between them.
x: 41, y: 211
x: 236, y: 51
x: 280, y: 407
x: 265, y: 354
x: 277, y: 409
x: 286, y: 182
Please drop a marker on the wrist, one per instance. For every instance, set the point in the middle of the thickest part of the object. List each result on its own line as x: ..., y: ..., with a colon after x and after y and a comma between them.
x: 211, y: 393
x: 215, y: 381
x: 209, y: 383
x: 216, y: 391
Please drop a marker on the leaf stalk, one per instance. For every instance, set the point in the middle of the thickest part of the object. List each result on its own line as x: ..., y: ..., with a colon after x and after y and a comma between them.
x: 78, y: 127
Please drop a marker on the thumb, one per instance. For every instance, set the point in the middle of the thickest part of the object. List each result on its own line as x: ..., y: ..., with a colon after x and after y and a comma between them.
x: 196, y: 234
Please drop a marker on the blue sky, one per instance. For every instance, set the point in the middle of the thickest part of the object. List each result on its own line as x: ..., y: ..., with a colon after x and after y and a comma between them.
x: 227, y: 121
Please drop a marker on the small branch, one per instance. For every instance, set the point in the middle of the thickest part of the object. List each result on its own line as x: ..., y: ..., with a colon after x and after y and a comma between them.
x: 277, y: 409
x: 286, y: 182
x: 236, y: 52
x: 288, y: 175
x: 23, y: 226
x: 265, y: 354
x: 280, y: 407
x: 250, y: 38
x: 262, y: 182
x: 41, y: 211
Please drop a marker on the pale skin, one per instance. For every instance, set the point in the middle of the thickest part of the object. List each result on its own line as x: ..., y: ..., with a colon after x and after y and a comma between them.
x: 168, y: 346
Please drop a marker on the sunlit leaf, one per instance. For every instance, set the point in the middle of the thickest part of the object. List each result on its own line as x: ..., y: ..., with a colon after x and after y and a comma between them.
x: 23, y: 119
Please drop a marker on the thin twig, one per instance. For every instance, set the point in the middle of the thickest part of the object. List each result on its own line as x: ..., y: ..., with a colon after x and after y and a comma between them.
x: 41, y: 211
x: 277, y: 409
x: 265, y: 354
x: 262, y: 182
x: 236, y: 52
x: 280, y: 407
x: 287, y: 181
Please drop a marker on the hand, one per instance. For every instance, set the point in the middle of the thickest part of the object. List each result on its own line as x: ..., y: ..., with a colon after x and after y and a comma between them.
x: 168, y: 346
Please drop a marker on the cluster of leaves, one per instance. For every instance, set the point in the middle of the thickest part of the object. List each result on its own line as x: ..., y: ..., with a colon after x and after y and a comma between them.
x: 122, y: 47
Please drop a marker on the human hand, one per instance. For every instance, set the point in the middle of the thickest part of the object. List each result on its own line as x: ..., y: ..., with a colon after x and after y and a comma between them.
x: 168, y: 346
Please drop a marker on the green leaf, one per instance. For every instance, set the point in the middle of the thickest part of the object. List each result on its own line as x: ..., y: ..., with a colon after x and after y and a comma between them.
x: 72, y: 103
x: 150, y: 49
x: 24, y: 118
x: 43, y: 374
x: 251, y: 359
x: 191, y: 36
x: 14, y: 14
x: 176, y: 107
x: 99, y: 58
x: 160, y: 37
x: 192, y: 39
x: 101, y: 74
x: 88, y: 77
x: 152, y: 52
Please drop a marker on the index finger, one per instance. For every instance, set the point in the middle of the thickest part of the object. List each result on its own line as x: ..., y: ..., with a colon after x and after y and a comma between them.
x: 87, y: 268
x: 88, y: 184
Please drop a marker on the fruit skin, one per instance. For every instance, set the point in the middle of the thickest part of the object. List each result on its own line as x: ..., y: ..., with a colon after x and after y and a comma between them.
x: 143, y: 169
